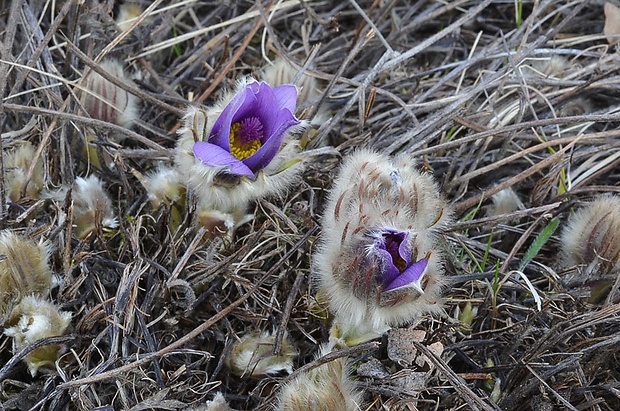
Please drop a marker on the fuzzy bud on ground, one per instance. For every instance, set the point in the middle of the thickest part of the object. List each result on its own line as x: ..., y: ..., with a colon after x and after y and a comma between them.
x: 253, y: 356
x: 24, y: 271
x: 591, y: 240
x: 283, y: 72
x: 327, y: 387
x: 127, y: 11
x: 218, y: 403
x: 242, y: 149
x: 92, y: 206
x: 378, y: 263
x: 33, y: 319
x: 553, y: 66
x: 163, y: 186
x: 17, y: 162
x: 106, y: 101
x: 505, y: 202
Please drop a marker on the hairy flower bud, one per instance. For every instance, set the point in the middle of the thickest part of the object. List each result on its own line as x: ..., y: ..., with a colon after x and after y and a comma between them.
x: 326, y: 387
x: 127, y: 12
x: 34, y: 319
x: 591, y: 240
x: 253, y: 356
x: 103, y: 100
x: 163, y: 186
x: 17, y: 162
x: 378, y: 263
x: 92, y: 206
x: 24, y: 270
x: 505, y: 202
x: 283, y: 72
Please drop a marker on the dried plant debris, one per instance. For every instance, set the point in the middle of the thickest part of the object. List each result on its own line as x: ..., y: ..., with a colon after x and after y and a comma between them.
x: 374, y: 205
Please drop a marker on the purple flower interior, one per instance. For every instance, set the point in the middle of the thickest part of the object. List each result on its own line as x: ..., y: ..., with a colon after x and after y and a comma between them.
x: 398, y: 269
x: 250, y: 130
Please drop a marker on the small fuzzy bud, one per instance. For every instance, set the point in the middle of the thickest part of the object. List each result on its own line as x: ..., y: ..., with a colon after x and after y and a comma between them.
x: 23, y: 271
x: 33, y: 319
x: 218, y: 223
x: 17, y: 162
x: 91, y: 206
x: 576, y: 107
x: 378, y: 263
x: 163, y: 186
x: 505, y: 202
x: 326, y: 387
x: 253, y: 356
x: 106, y: 101
x: 218, y: 403
x: 591, y: 240
x: 553, y: 66
x: 127, y: 11
x: 283, y: 72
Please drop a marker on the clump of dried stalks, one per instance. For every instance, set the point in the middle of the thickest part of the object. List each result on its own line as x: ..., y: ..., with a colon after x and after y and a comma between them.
x: 488, y: 95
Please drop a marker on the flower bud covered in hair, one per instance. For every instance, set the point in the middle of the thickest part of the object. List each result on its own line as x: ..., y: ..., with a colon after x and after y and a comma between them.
x: 591, y: 240
x: 104, y: 100
x: 128, y: 11
x: 163, y: 186
x: 253, y: 356
x: 17, y: 163
x: 24, y: 270
x: 326, y: 387
x: 34, y: 319
x: 283, y: 72
x: 379, y: 264
x: 92, y: 206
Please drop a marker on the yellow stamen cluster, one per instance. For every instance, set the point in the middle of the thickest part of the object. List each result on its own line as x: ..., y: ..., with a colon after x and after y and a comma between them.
x: 241, y: 150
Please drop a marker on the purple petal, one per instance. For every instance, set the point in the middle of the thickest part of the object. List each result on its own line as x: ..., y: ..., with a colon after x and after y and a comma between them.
x: 287, y: 97
x: 390, y: 271
x: 271, y: 102
x: 271, y: 145
x: 267, y: 109
x: 216, y: 156
x: 240, y: 104
x: 412, y: 274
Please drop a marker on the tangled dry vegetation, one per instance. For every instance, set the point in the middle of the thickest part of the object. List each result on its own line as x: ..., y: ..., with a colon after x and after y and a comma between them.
x: 486, y: 95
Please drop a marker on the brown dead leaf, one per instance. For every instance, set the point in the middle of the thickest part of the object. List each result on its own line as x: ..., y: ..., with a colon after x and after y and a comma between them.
x: 436, y: 348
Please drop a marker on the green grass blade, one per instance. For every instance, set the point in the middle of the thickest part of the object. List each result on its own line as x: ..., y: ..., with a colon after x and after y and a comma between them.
x: 539, y: 242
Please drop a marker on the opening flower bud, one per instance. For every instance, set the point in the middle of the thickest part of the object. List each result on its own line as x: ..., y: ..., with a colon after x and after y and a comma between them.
x: 379, y: 264
x: 17, y: 163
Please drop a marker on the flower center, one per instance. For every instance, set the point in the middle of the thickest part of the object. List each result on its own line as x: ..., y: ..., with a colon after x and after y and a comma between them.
x: 245, y: 137
x: 392, y: 244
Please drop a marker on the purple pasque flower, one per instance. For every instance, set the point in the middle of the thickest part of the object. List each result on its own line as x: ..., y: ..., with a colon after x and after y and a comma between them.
x: 249, y: 132
x: 397, y: 265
